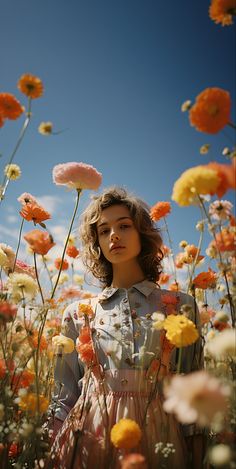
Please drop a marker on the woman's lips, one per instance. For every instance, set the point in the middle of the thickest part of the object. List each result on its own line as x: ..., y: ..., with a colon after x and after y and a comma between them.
x: 116, y: 248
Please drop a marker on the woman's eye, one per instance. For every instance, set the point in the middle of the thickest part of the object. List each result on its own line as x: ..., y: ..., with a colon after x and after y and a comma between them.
x: 123, y: 226
x: 103, y: 232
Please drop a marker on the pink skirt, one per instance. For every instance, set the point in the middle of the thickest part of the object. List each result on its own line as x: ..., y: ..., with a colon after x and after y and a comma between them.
x: 83, y: 442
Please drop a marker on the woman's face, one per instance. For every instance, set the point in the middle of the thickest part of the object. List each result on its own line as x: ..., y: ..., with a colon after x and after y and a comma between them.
x: 118, y: 238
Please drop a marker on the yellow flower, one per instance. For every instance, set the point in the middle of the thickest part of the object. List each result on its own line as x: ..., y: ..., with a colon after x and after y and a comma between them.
x: 12, y: 171
x: 193, y: 181
x: 3, y: 258
x: 79, y: 279
x: 180, y: 331
x: 62, y: 344
x: 22, y: 285
x: 45, y: 128
x: 29, y: 403
x: 85, y: 310
x: 125, y: 434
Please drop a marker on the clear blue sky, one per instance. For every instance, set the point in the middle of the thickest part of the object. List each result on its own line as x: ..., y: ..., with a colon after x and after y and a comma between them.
x: 115, y: 74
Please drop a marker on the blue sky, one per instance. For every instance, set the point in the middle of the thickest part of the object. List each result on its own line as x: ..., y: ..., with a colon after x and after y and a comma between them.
x: 115, y: 74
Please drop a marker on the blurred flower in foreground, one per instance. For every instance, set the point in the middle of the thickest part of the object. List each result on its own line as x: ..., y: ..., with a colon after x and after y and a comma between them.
x: 77, y: 176
x: 220, y: 209
x: 193, y: 181
x: 45, y: 128
x: 7, y: 256
x: 197, y: 397
x: 180, y: 331
x: 205, y: 280
x: 40, y: 241
x: 125, y: 434
x: 160, y: 210
x: 34, y: 212
x: 133, y: 461
x: 226, y: 175
x: 220, y: 456
x: 59, y: 264
x: 22, y: 284
x: 223, y: 345
x: 62, y: 344
x: 225, y: 240
x: 30, y: 85
x: 72, y: 251
x: 211, y: 111
x: 12, y: 171
x: 222, y: 11
x: 33, y: 403
x: 27, y: 198
x: 204, y: 149
x: 8, y: 311
x: 10, y: 108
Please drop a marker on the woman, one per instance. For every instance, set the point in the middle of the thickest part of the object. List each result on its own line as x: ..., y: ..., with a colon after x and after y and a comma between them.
x: 129, y: 358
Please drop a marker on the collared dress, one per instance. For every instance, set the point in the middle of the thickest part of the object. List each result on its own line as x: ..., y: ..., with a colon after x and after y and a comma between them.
x: 133, y: 359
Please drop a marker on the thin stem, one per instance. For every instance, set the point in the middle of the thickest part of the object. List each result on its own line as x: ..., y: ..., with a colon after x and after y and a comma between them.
x: 232, y: 125
x: 46, y: 267
x: 37, y: 278
x: 18, y: 245
x: 67, y: 240
x: 171, y: 250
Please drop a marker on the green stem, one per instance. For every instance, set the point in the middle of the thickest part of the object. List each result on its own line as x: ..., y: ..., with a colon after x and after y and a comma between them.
x: 46, y: 267
x: 37, y: 278
x: 171, y: 251
x: 67, y: 240
x: 18, y: 245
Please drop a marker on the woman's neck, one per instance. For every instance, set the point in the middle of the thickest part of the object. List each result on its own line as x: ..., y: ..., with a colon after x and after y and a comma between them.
x: 124, y: 276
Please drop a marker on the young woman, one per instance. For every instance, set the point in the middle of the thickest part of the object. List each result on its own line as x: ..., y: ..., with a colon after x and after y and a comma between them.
x: 122, y: 359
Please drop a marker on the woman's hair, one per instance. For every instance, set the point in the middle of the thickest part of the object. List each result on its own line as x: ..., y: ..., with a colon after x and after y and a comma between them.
x: 150, y: 256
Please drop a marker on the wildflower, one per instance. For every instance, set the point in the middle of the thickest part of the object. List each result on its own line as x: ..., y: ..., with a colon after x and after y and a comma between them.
x: 72, y: 251
x: 8, y: 311
x: 220, y: 209
x: 197, y: 397
x: 30, y: 85
x: 27, y: 198
x: 39, y: 241
x: 225, y: 241
x: 195, y: 181
x: 211, y: 111
x: 22, y: 379
x: 204, y: 149
x: 79, y: 279
x: 33, y: 403
x: 206, y: 314
x: 205, y: 280
x: 85, y: 310
x: 45, y: 128
x: 12, y: 171
x: 163, y: 278
x: 34, y: 212
x: 186, y: 105
x: 158, y: 320
x: 160, y: 210
x: 70, y: 292
x: 22, y: 284
x: 220, y: 455
x: 62, y: 344
x: 180, y: 331
x: 86, y: 352
x: 77, y: 176
x: 222, y: 11
x: 36, y: 341
x: 183, y: 244
x: 192, y: 254
x: 10, y: 108
x: 211, y: 251
x: 63, y: 278
x: 133, y: 461
x: 59, y: 264
x: 6, y: 367
x: 3, y: 258
x: 23, y: 268
x: 226, y: 175
x: 223, y: 345
x: 125, y: 434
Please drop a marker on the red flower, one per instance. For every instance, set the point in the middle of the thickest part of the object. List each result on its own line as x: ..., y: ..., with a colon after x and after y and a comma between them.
x: 205, y: 280
x: 72, y: 251
x: 8, y: 311
x: 59, y: 264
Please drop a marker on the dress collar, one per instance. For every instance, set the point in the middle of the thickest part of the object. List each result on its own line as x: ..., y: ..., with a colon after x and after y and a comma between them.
x: 145, y: 287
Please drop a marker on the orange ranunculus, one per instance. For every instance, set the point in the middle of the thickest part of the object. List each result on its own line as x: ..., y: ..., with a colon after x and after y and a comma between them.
x: 211, y: 111
x: 226, y: 175
x: 72, y: 251
x: 59, y: 264
x: 22, y: 379
x: 160, y: 210
x: 85, y: 335
x: 205, y: 280
x: 39, y: 241
x: 10, y: 108
x: 163, y: 278
x: 86, y: 353
x: 222, y: 11
x: 35, y: 343
x: 225, y: 240
x: 191, y: 253
x: 30, y: 85
x: 34, y: 212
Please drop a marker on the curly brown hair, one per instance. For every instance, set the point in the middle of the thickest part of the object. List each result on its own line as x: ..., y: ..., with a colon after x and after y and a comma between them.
x: 150, y: 256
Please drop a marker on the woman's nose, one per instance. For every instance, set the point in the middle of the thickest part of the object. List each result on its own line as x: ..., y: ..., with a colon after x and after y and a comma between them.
x: 114, y: 236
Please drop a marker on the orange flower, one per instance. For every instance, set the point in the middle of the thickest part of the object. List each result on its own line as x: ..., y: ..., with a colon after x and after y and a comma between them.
x: 30, y: 85
x: 225, y: 241
x: 34, y: 342
x: 59, y: 264
x: 205, y: 280
x: 180, y: 260
x: 174, y: 286
x: 85, y: 310
x: 39, y: 241
x: 6, y: 366
x: 84, y: 336
x: 211, y: 111
x: 226, y: 175
x: 133, y: 461
x: 10, y: 108
x: 8, y: 311
x: 34, y: 212
x: 164, y: 278
x: 222, y: 11
x: 169, y: 299
x: 192, y: 253
x: 1, y: 121
x: 84, y: 346
x: 22, y: 379
x: 72, y: 251
x: 160, y: 210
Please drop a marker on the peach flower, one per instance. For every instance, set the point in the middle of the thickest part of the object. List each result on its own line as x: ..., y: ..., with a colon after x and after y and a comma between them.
x: 34, y: 212
x: 225, y: 241
x: 226, y: 176
x: 133, y: 461
x: 61, y: 265
x: 77, y: 176
x: 39, y: 241
x: 160, y: 210
x: 27, y: 198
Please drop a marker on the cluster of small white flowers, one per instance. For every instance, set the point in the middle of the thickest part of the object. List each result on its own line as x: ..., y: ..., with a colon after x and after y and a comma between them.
x: 166, y: 450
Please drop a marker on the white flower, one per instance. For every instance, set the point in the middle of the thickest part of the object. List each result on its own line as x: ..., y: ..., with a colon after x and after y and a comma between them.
x: 12, y: 171
x: 220, y: 455
x: 158, y: 320
x: 223, y: 345
x: 62, y: 344
x: 79, y: 279
x: 22, y: 285
x: 63, y: 278
x: 186, y: 105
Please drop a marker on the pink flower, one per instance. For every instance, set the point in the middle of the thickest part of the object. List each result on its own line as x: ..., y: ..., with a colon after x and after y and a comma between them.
x: 196, y: 397
x: 26, y: 198
x: 23, y: 268
x: 220, y: 209
x: 77, y: 176
x: 70, y: 292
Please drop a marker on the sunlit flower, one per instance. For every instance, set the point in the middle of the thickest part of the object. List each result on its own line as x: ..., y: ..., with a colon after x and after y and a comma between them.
x: 85, y: 310
x: 8, y: 311
x: 211, y: 251
x: 222, y: 11
x: 192, y: 254
x: 220, y: 209
x: 195, y: 181
x: 22, y: 284
x: 186, y: 105
x: 39, y: 241
x: 23, y: 268
x: 220, y: 455
x: 70, y: 292
x: 86, y: 352
x: 225, y: 240
x: 226, y: 175
x: 197, y: 397
x: 205, y: 280
x: 34, y: 212
x: 7, y: 256
x: 183, y: 243
x: 180, y: 331
x: 77, y: 176
x: 59, y: 264
x: 79, y: 279
x: 204, y: 149
x: 27, y: 198
x: 45, y: 128
x: 223, y: 345
x: 33, y: 403
x: 30, y: 85
x: 211, y: 111
x: 133, y: 461
x: 62, y: 344
x: 10, y: 108
x: 72, y: 251
x: 64, y: 277
x: 37, y: 341
x: 160, y: 210
x: 12, y: 171
x: 158, y: 320
x: 22, y: 379
x: 126, y: 434
x: 164, y: 278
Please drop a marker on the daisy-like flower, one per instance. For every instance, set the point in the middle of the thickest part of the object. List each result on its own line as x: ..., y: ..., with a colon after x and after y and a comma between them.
x: 204, y: 149
x: 22, y: 285
x: 30, y: 85
x: 126, y: 434
x: 27, y: 198
x: 70, y: 292
x: 197, y: 397
x: 34, y: 212
x: 180, y: 331
x: 77, y: 176
x: 222, y: 11
x: 220, y: 209
x: 45, y: 128
x: 12, y: 171
x: 223, y: 345
x: 10, y: 108
x: 198, y: 180
x: 78, y: 279
x: 63, y: 278
x: 160, y: 210
x: 211, y: 111
x: 62, y: 344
